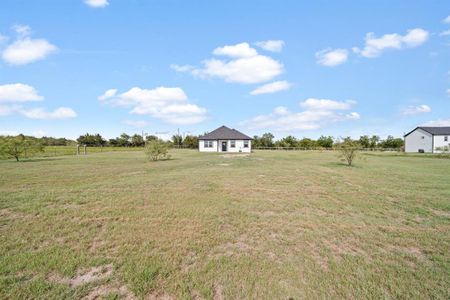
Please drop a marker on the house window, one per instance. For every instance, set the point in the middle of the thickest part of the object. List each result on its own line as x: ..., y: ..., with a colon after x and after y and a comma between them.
x: 245, y: 144
x: 446, y: 138
x: 208, y: 144
x: 232, y: 143
x: 423, y: 137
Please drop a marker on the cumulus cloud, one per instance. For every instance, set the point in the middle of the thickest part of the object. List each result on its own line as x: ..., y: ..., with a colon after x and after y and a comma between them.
x: 97, y: 3
x: 40, y: 113
x: 374, y: 46
x: 331, y: 57
x: 446, y: 20
x: 168, y: 104
x: 137, y: 123
x: 24, y: 49
x: 18, y: 92
x: 271, y: 45
x: 445, y: 33
x: 6, y: 110
x: 108, y: 94
x: 271, y: 88
x: 317, y: 113
x: 242, y: 65
x: 448, y: 92
x: 414, y: 110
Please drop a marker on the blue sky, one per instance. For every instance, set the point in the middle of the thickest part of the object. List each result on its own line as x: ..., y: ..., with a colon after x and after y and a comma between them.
x: 305, y: 68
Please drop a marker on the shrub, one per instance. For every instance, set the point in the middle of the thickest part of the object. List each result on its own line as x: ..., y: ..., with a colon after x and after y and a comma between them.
x: 348, y: 151
x: 157, y: 150
x: 19, y: 146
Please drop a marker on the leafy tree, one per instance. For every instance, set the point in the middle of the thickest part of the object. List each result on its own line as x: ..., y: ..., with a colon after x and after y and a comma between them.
x: 374, y: 140
x: 19, y: 146
x: 123, y: 140
x: 149, y: 138
x: 156, y: 150
x: 91, y: 140
x: 289, y: 141
x: 325, y: 142
x: 190, y: 141
x: 391, y: 142
x: 364, y: 141
x: 137, y: 140
x: 306, y: 143
x: 348, y: 150
x: 177, y: 139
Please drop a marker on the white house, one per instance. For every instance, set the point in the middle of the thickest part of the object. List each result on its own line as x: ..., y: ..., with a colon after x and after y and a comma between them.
x: 224, y: 139
x: 427, y: 139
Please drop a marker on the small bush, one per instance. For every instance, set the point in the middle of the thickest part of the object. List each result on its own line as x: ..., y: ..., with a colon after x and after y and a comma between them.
x: 157, y: 150
x: 348, y: 151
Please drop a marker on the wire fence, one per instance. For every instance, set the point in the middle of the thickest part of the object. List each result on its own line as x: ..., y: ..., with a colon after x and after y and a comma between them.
x: 326, y: 149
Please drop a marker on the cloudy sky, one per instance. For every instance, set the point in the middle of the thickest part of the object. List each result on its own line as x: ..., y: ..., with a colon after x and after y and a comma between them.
x: 305, y: 68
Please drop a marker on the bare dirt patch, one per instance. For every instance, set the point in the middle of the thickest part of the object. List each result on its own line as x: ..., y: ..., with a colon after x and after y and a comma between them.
x: 103, y: 290
x: 224, y: 165
x: 98, y: 242
x: 83, y: 276
x: 217, y: 291
x: 238, y: 247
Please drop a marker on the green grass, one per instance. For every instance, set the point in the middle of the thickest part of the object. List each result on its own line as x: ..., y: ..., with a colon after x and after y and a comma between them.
x: 50, y: 151
x: 271, y: 225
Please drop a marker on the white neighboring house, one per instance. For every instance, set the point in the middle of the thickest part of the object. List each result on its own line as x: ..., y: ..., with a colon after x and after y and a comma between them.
x: 427, y: 139
x: 224, y: 139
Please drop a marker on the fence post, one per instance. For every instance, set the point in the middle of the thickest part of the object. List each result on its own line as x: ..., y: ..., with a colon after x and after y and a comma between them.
x: 78, y: 149
x: 84, y: 146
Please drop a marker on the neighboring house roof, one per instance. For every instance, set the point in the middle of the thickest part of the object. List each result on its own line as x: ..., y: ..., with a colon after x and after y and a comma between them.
x: 225, y: 133
x: 433, y: 130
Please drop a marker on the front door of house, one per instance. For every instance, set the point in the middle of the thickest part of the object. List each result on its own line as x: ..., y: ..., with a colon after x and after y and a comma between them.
x: 224, y: 146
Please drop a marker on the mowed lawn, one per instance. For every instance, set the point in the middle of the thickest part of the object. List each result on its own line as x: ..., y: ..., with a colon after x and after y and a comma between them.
x: 272, y: 225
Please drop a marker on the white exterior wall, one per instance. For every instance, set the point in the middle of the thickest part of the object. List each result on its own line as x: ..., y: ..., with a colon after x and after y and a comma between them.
x: 201, y: 146
x: 439, y: 141
x: 414, y: 141
x: 217, y: 146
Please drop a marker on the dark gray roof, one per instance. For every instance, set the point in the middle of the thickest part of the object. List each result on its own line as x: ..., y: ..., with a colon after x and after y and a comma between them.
x: 433, y: 130
x: 225, y: 133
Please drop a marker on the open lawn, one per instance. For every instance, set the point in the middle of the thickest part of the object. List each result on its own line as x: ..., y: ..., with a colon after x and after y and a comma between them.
x: 272, y: 225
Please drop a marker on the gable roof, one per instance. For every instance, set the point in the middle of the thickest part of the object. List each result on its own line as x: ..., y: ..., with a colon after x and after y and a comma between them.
x: 225, y: 133
x: 432, y: 130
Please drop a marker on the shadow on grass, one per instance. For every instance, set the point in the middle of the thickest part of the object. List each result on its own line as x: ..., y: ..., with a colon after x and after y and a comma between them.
x: 30, y: 160
x: 343, y: 164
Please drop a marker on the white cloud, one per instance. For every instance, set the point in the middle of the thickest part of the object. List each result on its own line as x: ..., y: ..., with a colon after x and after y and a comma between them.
x: 40, y: 113
x: 331, y: 57
x: 137, y: 124
x: 374, y: 46
x: 317, y: 114
x: 271, y: 45
x: 18, y: 92
x: 25, y: 50
x: 22, y: 30
x: 108, y: 94
x: 446, y: 20
x: 326, y: 104
x: 448, y: 92
x: 440, y: 122
x: 97, y: 3
x: 413, y: 110
x: 3, y: 39
x: 272, y: 87
x: 168, y: 104
x: 181, y: 68
x: 238, y: 50
x: 445, y: 33
x: 244, y: 65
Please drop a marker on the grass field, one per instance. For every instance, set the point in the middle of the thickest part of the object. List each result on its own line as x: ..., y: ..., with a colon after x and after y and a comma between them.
x: 272, y: 225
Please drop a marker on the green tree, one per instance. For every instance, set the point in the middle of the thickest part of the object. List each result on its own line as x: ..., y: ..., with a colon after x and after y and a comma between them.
x: 91, y: 140
x: 391, y: 142
x: 191, y: 141
x: 177, y: 139
x: 137, y: 140
x: 325, y: 142
x: 374, y: 140
x: 19, y: 146
x: 364, y: 141
x: 123, y: 140
x: 289, y: 141
x: 156, y: 150
x: 306, y: 143
x: 149, y: 138
x: 348, y: 150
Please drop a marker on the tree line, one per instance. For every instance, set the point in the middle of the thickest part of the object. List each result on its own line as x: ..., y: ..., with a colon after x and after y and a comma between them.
x: 328, y: 142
